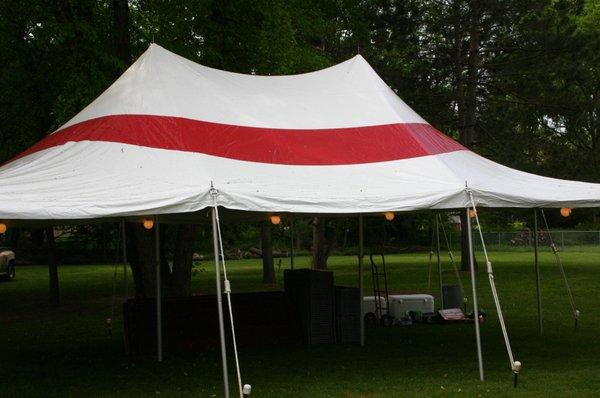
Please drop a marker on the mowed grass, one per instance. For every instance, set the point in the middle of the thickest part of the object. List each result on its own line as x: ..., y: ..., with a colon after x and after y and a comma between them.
x: 68, y: 351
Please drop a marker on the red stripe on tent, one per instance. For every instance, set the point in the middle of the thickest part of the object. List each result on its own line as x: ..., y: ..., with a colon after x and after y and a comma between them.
x: 279, y: 146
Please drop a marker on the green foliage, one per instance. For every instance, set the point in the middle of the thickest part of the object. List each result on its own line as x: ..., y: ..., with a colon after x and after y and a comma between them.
x: 536, y: 101
x: 56, y: 59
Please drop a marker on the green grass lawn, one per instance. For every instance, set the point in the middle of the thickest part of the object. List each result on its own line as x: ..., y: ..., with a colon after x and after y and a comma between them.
x: 67, y: 351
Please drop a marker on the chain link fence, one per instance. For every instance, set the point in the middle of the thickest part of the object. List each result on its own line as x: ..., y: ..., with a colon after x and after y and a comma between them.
x: 524, y: 240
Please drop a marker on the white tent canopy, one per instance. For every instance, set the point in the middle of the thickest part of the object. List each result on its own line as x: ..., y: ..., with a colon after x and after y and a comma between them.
x: 337, y: 140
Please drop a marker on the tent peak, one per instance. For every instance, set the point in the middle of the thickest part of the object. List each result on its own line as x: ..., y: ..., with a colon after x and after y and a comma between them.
x: 153, y: 47
x: 156, y: 49
x: 162, y: 83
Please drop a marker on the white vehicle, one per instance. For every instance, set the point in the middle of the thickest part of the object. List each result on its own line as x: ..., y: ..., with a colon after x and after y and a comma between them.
x: 7, y: 264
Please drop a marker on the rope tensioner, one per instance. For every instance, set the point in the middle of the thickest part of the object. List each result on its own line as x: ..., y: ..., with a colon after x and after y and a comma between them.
x: 514, y: 365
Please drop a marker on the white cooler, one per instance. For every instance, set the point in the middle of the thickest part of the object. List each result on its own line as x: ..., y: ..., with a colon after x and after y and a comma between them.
x: 400, y: 304
x: 369, y: 304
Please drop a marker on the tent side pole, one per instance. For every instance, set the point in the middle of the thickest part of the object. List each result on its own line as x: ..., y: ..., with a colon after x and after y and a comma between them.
x: 159, y: 346
x: 537, y: 271
x: 439, y: 260
x: 220, y: 304
x: 292, y: 243
x: 361, y: 288
x: 474, y: 287
x: 125, y: 279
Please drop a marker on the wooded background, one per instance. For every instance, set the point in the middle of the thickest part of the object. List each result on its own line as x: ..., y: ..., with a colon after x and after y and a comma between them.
x: 518, y: 81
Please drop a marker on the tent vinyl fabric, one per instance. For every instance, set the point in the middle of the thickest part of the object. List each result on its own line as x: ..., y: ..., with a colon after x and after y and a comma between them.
x: 338, y: 140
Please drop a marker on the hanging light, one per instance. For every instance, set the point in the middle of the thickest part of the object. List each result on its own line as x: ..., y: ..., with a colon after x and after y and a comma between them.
x: 275, y: 220
x: 565, y: 211
x: 389, y: 215
x: 148, y: 223
x: 472, y: 213
x: 2, y: 228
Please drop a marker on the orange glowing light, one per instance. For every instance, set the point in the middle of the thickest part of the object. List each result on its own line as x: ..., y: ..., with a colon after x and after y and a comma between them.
x: 148, y: 223
x: 565, y: 212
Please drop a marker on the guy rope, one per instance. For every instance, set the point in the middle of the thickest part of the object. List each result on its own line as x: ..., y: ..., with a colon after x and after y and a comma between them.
x: 574, y: 309
x: 243, y: 391
x: 514, y: 365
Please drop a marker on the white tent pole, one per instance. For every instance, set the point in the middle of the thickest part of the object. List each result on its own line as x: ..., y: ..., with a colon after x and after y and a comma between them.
x: 474, y: 287
x: 125, y: 280
x: 159, y: 345
x: 439, y: 260
x: 361, y: 253
x: 292, y: 243
x: 537, y: 271
x: 220, y: 304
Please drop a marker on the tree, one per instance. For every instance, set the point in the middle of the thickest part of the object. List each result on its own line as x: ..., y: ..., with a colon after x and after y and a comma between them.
x: 266, y: 246
x: 142, y: 258
x: 175, y: 278
x: 52, y: 267
x: 466, y: 95
x: 323, y: 240
x: 121, y: 29
x: 141, y: 254
x: 181, y: 273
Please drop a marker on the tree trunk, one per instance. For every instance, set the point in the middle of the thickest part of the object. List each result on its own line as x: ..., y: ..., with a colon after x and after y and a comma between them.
x: 470, y: 112
x: 182, y: 260
x: 267, y: 252
x: 322, y: 242
x: 103, y: 246
x: 52, y: 267
x: 37, y: 237
x: 140, y: 242
x: 166, y: 277
x: 472, y: 75
x: 459, y: 90
x: 464, y: 245
x: 122, y: 36
x: 141, y: 257
x: 459, y: 97
x: 466, y: 94
x: 141, y: 254
x: 14, y: 237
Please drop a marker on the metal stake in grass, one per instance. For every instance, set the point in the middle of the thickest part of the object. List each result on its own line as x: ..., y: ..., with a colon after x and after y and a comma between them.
x: 516, y: 369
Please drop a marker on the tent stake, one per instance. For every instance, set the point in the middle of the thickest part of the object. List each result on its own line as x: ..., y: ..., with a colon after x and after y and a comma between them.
x: 474, y: 287
x: 159, y: 346
x: 439, y: 260
x: 220, y: 304
x: 361, y: 253
x: 537, y: 272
